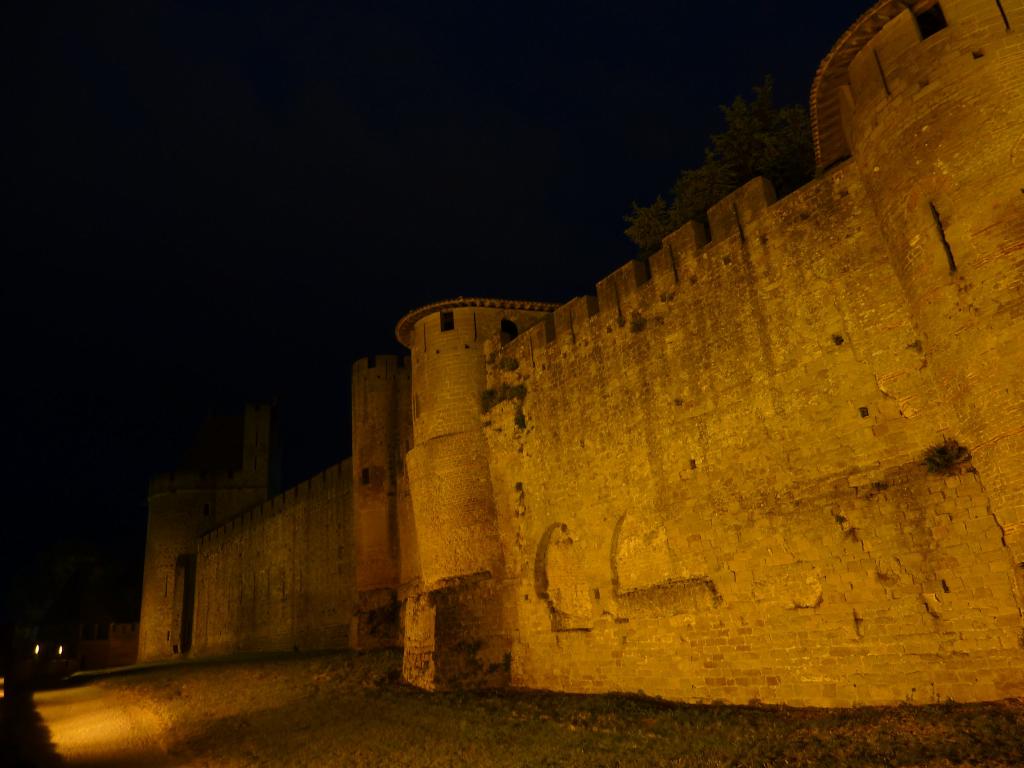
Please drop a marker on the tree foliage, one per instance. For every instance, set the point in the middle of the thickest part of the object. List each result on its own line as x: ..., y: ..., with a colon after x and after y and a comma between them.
x: 760, y: 139
x: 71, y: 581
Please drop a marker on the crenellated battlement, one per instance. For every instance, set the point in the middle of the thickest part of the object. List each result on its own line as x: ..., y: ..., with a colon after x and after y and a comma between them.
x: 173, y: 482
x: 382, y: 366
x: 639, y: 285
x: 336, y: 478
x: 900, y: 48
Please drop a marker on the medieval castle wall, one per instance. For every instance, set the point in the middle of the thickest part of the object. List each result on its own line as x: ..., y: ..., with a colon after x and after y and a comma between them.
x: 281, y: 575
x: 183, y: 506
x: 708, y: 481
x: 712, y: 487
x: 940, y: 145
x: 453, y: 603
x: 717, y: 491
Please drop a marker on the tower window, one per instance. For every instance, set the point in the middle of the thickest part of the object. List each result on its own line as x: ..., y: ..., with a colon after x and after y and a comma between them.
x: 930, y: 19
x: 447, y: 321
x: 365, y: 476
x: 509, y: 329
x: 371, y: 361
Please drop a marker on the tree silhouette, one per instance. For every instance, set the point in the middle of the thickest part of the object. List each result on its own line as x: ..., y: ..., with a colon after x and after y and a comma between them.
x: 760, y: 139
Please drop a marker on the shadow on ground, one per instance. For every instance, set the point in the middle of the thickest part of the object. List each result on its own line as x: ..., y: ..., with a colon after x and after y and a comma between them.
x: 24, y: 738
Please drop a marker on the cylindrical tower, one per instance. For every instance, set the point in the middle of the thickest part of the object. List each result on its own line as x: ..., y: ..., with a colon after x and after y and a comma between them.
x: 454, y: 614
x: 928, y: 97
x: 449, y: 479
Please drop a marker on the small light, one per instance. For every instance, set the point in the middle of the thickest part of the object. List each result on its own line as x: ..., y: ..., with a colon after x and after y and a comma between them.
x: 60, y: 650
x: 37, y: 649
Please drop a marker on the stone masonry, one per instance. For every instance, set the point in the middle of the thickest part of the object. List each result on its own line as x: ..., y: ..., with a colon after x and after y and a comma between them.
x: 782, y: 460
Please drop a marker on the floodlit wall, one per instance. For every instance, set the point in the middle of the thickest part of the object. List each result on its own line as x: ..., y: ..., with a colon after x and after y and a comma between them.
x: 447, y: 466
x: 937, y: 131
x: 708, y: 482
x: 280, y: 576
x: 454, y: 614
x: 712, y: 487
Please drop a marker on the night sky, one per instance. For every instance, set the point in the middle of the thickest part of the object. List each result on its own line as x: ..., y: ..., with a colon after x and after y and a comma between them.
x: 212, y: 203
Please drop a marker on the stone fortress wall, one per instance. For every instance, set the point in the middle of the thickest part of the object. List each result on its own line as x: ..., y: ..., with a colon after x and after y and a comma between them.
x: 706, y: 482
x: 281, y: 575
x: 183, y: 506
x: 718, y: 493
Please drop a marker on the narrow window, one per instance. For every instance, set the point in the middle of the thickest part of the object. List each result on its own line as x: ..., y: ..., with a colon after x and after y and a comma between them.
x: 1002, y: 12
x: 447, y: 321
x: 739, y: 226
x: 930, y: 20
x: 942, y: 236
x: 206, y: 510
x: 371, y: 361
x: 509, y: 329
x: 366, y: 476
x: 881, y: 73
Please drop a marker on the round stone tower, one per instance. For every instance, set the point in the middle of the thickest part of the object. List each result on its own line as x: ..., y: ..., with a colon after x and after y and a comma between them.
x: 928, y: 98
x: 449, y: 479
x: 456, y: 625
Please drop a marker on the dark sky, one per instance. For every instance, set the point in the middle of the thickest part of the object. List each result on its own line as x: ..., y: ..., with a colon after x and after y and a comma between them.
x: 216, y: 202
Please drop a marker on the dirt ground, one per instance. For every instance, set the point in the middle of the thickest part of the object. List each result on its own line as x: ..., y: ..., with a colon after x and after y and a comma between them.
x: 346, y: 709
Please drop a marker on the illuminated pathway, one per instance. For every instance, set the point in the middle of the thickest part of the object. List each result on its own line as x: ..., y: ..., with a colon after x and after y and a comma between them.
x: 89, y: 727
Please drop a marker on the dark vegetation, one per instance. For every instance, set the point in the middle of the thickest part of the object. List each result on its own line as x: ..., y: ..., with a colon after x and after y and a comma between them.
x: 947, y: 457
x: 759, y: 139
